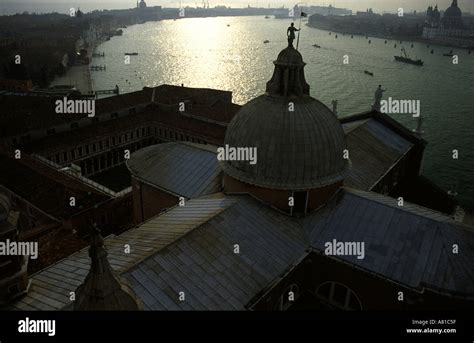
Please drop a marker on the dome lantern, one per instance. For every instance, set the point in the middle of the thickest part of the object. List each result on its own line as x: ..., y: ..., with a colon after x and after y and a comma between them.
x: 288, y: 77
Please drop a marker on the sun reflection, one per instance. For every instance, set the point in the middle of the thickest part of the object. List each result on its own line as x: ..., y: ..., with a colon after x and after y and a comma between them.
x: 201, y: 51
x: 220, y: 53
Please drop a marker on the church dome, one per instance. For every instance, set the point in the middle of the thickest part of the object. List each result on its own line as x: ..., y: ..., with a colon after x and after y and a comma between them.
x: 453, y: 11
x: 299, y: 141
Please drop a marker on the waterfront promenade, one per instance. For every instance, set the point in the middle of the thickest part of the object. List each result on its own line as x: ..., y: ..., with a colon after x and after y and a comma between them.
x: 78, y: 76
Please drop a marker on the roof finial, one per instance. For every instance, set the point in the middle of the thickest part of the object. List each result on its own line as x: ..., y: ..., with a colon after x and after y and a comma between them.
x: 102, y: 289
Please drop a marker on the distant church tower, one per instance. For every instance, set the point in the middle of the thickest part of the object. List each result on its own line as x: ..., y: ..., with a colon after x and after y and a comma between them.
x: 102, y: 289
x: 142, y: 4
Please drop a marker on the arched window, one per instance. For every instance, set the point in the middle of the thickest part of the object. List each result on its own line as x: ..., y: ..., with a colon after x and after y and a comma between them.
x: 289, y: 296
x: 338, y: 296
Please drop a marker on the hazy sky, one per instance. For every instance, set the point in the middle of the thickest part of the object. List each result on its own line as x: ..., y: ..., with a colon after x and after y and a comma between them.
x: 377, y: 5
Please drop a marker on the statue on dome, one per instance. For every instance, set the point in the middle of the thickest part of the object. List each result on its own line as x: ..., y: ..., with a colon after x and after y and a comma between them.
x: 291, y: 34
x: 378, y: 98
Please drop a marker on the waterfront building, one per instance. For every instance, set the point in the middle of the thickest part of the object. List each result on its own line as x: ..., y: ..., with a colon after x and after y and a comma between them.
x: 433, y: 16
x: 322, y: 10
x: 368, y: 13
x: 452, y: 18
x: 446, y: 29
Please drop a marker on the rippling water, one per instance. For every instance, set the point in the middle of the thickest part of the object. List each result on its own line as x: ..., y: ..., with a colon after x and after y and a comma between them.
x: 229, y: 54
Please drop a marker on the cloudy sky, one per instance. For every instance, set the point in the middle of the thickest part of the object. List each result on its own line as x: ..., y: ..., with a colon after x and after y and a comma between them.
x: 377, y: 5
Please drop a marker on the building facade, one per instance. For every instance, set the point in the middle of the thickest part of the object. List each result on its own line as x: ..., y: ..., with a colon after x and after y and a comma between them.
x: 448, y: 27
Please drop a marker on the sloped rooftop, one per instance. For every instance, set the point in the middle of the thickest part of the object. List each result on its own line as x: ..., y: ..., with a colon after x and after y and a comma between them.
x: 50, y: 287
x: 373, y: 150
x: 191, y: 249
x: 185, y: 169
x: 411, y: 245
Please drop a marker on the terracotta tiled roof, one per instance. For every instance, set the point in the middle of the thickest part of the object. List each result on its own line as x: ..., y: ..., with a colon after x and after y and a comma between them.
x: 123, y: 101
x: 209, y: 103
x: 214, y: 133
x: 38, y: 112
x: 20, y: 114
x: 45, y: 188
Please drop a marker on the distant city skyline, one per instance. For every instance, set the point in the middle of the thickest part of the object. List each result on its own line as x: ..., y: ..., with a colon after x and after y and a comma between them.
x: 355, y: 5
